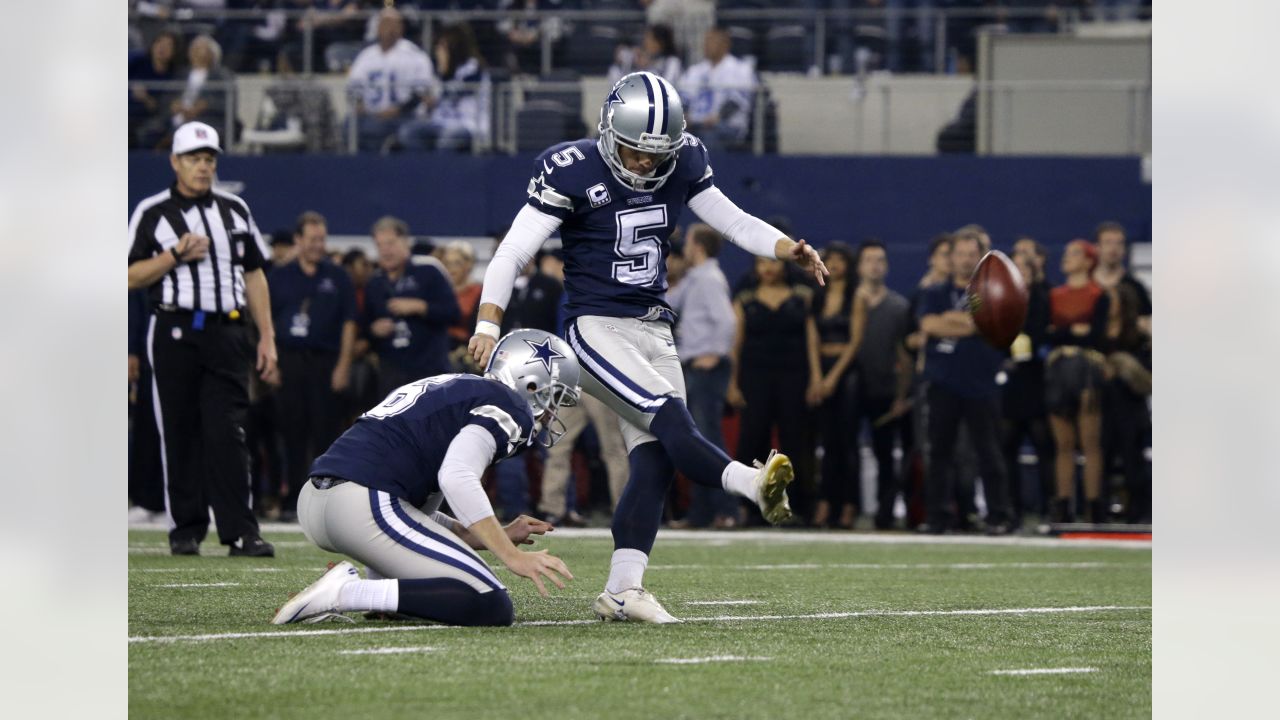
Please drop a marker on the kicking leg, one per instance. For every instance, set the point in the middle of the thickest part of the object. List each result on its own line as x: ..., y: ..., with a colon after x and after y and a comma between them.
x: 630, y: 366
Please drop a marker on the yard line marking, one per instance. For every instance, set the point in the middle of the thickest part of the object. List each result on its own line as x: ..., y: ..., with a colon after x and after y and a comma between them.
x: 903, y: 566
x: 717, y: 618
x: 210, y: 569
x: 387, y: 650
x: 1044, y: 671
x: 713, y: 658
x: 705, y: 537
x: 724, y: 602
x: 199, y: 586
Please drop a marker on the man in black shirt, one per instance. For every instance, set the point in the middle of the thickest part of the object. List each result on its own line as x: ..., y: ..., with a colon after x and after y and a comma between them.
x: 200, y: 253
x: 314, y: 304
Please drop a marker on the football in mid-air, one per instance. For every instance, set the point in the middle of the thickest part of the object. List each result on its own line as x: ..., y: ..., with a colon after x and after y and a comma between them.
x: 998, y: 299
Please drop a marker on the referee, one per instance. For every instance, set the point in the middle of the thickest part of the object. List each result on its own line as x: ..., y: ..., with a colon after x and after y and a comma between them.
x: 201, y: 255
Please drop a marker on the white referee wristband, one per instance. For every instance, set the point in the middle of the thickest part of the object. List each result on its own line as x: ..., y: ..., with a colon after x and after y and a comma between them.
x: 484, y: 327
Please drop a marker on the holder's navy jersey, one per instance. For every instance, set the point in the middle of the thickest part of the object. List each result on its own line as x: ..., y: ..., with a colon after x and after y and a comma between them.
x: 615, y: 238
x: 398, y: 446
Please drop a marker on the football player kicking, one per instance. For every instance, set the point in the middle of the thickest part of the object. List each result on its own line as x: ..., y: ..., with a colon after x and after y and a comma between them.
x: 614, y: 202
x: 428, y: 439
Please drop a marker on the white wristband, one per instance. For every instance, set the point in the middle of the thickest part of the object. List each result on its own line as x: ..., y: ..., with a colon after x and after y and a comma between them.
x: 484, y: 327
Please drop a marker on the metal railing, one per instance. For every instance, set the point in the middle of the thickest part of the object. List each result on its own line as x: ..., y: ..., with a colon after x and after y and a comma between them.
x: 936, y: 26
x: 171, y: 90
x: 872, y: 115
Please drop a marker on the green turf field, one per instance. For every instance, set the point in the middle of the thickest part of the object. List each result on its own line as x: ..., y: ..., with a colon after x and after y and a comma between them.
x: 836, y: 626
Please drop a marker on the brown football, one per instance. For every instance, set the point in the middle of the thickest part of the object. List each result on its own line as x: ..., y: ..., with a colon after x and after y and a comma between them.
x: 998, y: 299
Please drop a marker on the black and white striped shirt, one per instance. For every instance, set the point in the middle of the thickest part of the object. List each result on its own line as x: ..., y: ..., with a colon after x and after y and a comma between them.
x: 216, y: 283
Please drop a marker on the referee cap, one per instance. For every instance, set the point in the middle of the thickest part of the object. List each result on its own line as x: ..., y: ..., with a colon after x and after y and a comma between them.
x: 195, y: 136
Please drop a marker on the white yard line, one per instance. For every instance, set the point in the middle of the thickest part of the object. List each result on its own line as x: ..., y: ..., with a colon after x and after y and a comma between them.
x: 717, y: 618
x: 199, y: 585
x: 716, y: 537
x: 1045, y: 671
x: 387, y: 651
x: 724, y: 602
x: 711, y: 659
x: 903, y: 566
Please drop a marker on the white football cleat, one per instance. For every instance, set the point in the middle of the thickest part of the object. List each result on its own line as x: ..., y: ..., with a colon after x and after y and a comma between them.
x: 320, y: 598
x: 632, y: 605
x: 776, y: 473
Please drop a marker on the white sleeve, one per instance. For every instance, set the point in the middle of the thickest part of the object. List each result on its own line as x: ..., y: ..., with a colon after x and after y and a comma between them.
x: 741, y: 228
x: 464, y: 463
x: 528, y: 231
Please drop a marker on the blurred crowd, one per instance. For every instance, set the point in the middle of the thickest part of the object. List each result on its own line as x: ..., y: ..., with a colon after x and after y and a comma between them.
x: 895, y: 414
x: 404, y: 95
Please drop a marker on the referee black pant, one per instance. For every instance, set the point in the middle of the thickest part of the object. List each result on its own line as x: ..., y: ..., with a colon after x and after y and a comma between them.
x: 202, y: 399
x: 308, y: 413
x: 981, y: 416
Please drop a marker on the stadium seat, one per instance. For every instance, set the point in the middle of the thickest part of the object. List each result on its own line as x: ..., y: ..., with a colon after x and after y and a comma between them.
x: 567, y: 91
x: 784, y: 49
x: 591, y: 52
x: 541, y: 123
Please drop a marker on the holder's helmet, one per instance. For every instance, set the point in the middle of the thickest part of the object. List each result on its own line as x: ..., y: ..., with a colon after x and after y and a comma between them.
x: 541, y: 368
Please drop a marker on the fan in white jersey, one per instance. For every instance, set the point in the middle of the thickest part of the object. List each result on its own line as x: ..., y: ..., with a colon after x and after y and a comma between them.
x: 718, y: 93
x: 388, y: 80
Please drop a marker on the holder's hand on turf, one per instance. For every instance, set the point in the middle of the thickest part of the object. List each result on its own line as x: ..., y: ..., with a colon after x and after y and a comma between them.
x: 521, y: 528
x: 536, y: 565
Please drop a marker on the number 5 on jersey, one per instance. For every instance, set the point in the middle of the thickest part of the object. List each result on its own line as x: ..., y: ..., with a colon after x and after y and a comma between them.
x: 642, y: 253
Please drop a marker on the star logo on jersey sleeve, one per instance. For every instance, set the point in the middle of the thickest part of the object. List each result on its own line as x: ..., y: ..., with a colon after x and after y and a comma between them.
x: 543, y: 353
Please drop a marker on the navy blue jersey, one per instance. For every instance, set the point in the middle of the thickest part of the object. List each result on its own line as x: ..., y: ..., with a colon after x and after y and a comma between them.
x: 310, y: 310
x: 398, y: 446
x: 615, y: 238
x: 420, y: 343
x: 966, y: 365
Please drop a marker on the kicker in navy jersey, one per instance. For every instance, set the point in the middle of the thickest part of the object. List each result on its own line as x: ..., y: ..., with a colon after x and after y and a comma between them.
x: 615, y: 238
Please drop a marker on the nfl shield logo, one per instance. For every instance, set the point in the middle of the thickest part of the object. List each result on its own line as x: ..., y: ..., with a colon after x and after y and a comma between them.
x: 200, y: 133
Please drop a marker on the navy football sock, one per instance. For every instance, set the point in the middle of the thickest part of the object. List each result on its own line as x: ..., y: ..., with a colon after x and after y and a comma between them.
x: 639, y: 511
x: 695, y: 456
x: 454, y: 602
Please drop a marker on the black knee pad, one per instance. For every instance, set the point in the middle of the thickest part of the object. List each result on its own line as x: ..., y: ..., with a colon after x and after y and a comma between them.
x: 494, y: 608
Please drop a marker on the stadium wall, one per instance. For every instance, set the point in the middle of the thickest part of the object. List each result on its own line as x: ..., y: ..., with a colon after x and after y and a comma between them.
x: 903, y: 201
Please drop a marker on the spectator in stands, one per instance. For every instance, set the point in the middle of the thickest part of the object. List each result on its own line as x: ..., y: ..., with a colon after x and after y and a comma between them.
x: 145, y: 108
x: 1024, y: 408
x: 961, y: 369
x: 313, y: 304
x: 408, y: 308
x: 459, y: 259
x: 883, y: 374
x: 1074, y: 376
x: 1126, y: 412
x: 388, y: 81
x: 838, y: 320
x: 208, y: 95
x: 205, y: 96
x: 1028, y: 247
x: 771, y: 370
x: 718, y: 94
x: 523, y: 32
x: 704, y: 341
x: 656, y: 54
x: 690, y: 19
x: 254, y: 44
x: 459, y: 115
x: 1112, y: 272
